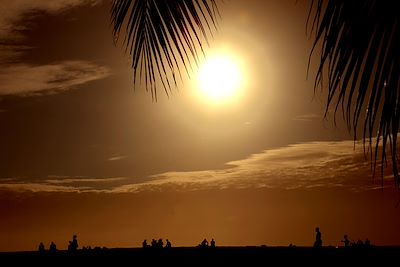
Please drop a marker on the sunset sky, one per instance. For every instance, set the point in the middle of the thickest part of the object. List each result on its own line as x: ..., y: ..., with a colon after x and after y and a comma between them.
x: 83, y: 152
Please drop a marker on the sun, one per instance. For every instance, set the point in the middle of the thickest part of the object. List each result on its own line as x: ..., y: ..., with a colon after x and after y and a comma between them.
x: 220, y: 78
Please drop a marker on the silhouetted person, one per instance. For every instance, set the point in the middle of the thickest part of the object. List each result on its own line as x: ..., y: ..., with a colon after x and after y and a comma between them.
x: 144, y: 243
x: 160, y: 243
x: 168, y: 245
x: 367, y: 243
x: 41, y: 247
x: 318, y: 238
x: 346, y: 241
x: 73, y: 245
x: 204, y: 243
x: 212, y: 243
x: 53, y: 247
x: 153, y: 243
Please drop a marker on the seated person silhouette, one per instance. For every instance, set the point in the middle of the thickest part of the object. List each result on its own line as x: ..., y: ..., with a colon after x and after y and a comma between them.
x: 346, y: 241
x: 204, y: 243
x: 168, y: 245
x: 160, y: 243
x: 53, y: 247
x: 212, y: 243
x: 153, y: 243
x: 73, y: 245
x: 41, y: 247
x: 144, y: 244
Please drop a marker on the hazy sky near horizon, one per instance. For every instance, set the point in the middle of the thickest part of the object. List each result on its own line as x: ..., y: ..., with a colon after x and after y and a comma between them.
x: 82, y: 152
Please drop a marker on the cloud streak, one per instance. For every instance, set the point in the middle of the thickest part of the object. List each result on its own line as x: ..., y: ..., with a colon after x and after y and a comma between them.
x: 115, y: 158
x: 306, y: 166
x: 25, y: 80
x: 14, y: 11
x: 307, y: 117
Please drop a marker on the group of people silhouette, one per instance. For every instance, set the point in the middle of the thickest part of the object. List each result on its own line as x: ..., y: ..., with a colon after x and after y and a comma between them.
x: 204, y: 243
x: 52, y: 247
x: 157, y: 244
x: 353, y: 244
x: 346, y: 242
x: 72, y: 246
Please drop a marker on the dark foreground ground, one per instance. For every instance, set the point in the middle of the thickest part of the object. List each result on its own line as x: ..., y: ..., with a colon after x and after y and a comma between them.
x: 220, y: 256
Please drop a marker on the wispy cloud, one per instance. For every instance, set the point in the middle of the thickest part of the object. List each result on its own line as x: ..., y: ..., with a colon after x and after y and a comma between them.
x: 12, y: 12
x: 40, y: 187
x: 307, y: 166
x: 9, y: 52
x: 63, y: 184
x: 307, y: 117
x: 23, y: 79
x: 114, y: 158
x: 84, y: 180
x: 299, y: 166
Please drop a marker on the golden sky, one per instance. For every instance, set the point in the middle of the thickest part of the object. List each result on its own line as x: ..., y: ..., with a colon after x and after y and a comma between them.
x: 83, y: 152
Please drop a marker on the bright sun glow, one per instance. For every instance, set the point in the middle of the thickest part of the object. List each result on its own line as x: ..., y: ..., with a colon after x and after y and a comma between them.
x: 220, y: 78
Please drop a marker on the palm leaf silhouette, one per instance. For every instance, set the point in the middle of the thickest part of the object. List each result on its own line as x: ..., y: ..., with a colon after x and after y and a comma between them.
x: 359, y: 60
x: 163, y: 35
x: 359, y: 65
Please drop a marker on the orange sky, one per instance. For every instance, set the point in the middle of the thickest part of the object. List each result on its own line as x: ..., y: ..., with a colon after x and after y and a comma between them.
x: 82, y: 152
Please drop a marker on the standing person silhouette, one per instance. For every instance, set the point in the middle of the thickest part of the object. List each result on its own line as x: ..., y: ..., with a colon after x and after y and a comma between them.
x: 346, y: 241
x: 318, y: 238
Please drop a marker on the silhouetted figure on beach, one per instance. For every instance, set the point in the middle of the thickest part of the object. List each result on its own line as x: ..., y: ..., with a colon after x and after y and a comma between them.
x: 144, y: 244
x: 367, y: 243
x: 153, y: 243
x: 212, y: 243
x: 204, y: 243
x: 73, y: 245
x: 168, y: 245
x: 160, y: 243
x: 41, y: 247
x: 346, y: 241
x: 53, y: 247
x: 318, y: 238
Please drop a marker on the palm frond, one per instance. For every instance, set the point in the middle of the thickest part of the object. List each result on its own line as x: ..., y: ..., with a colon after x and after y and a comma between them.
x: 162, y: 35
x: 360, y: 62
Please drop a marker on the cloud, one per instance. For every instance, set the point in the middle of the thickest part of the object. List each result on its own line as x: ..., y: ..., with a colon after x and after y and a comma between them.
x: 84, y: 180
x: 8, y: 52
x: 307, y: 117
x: 40, y: 187
x: 24, y: 79
x: 62, y: 184
x: 114, y: 158
x: 14, y: 11
x: 306, y: 166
